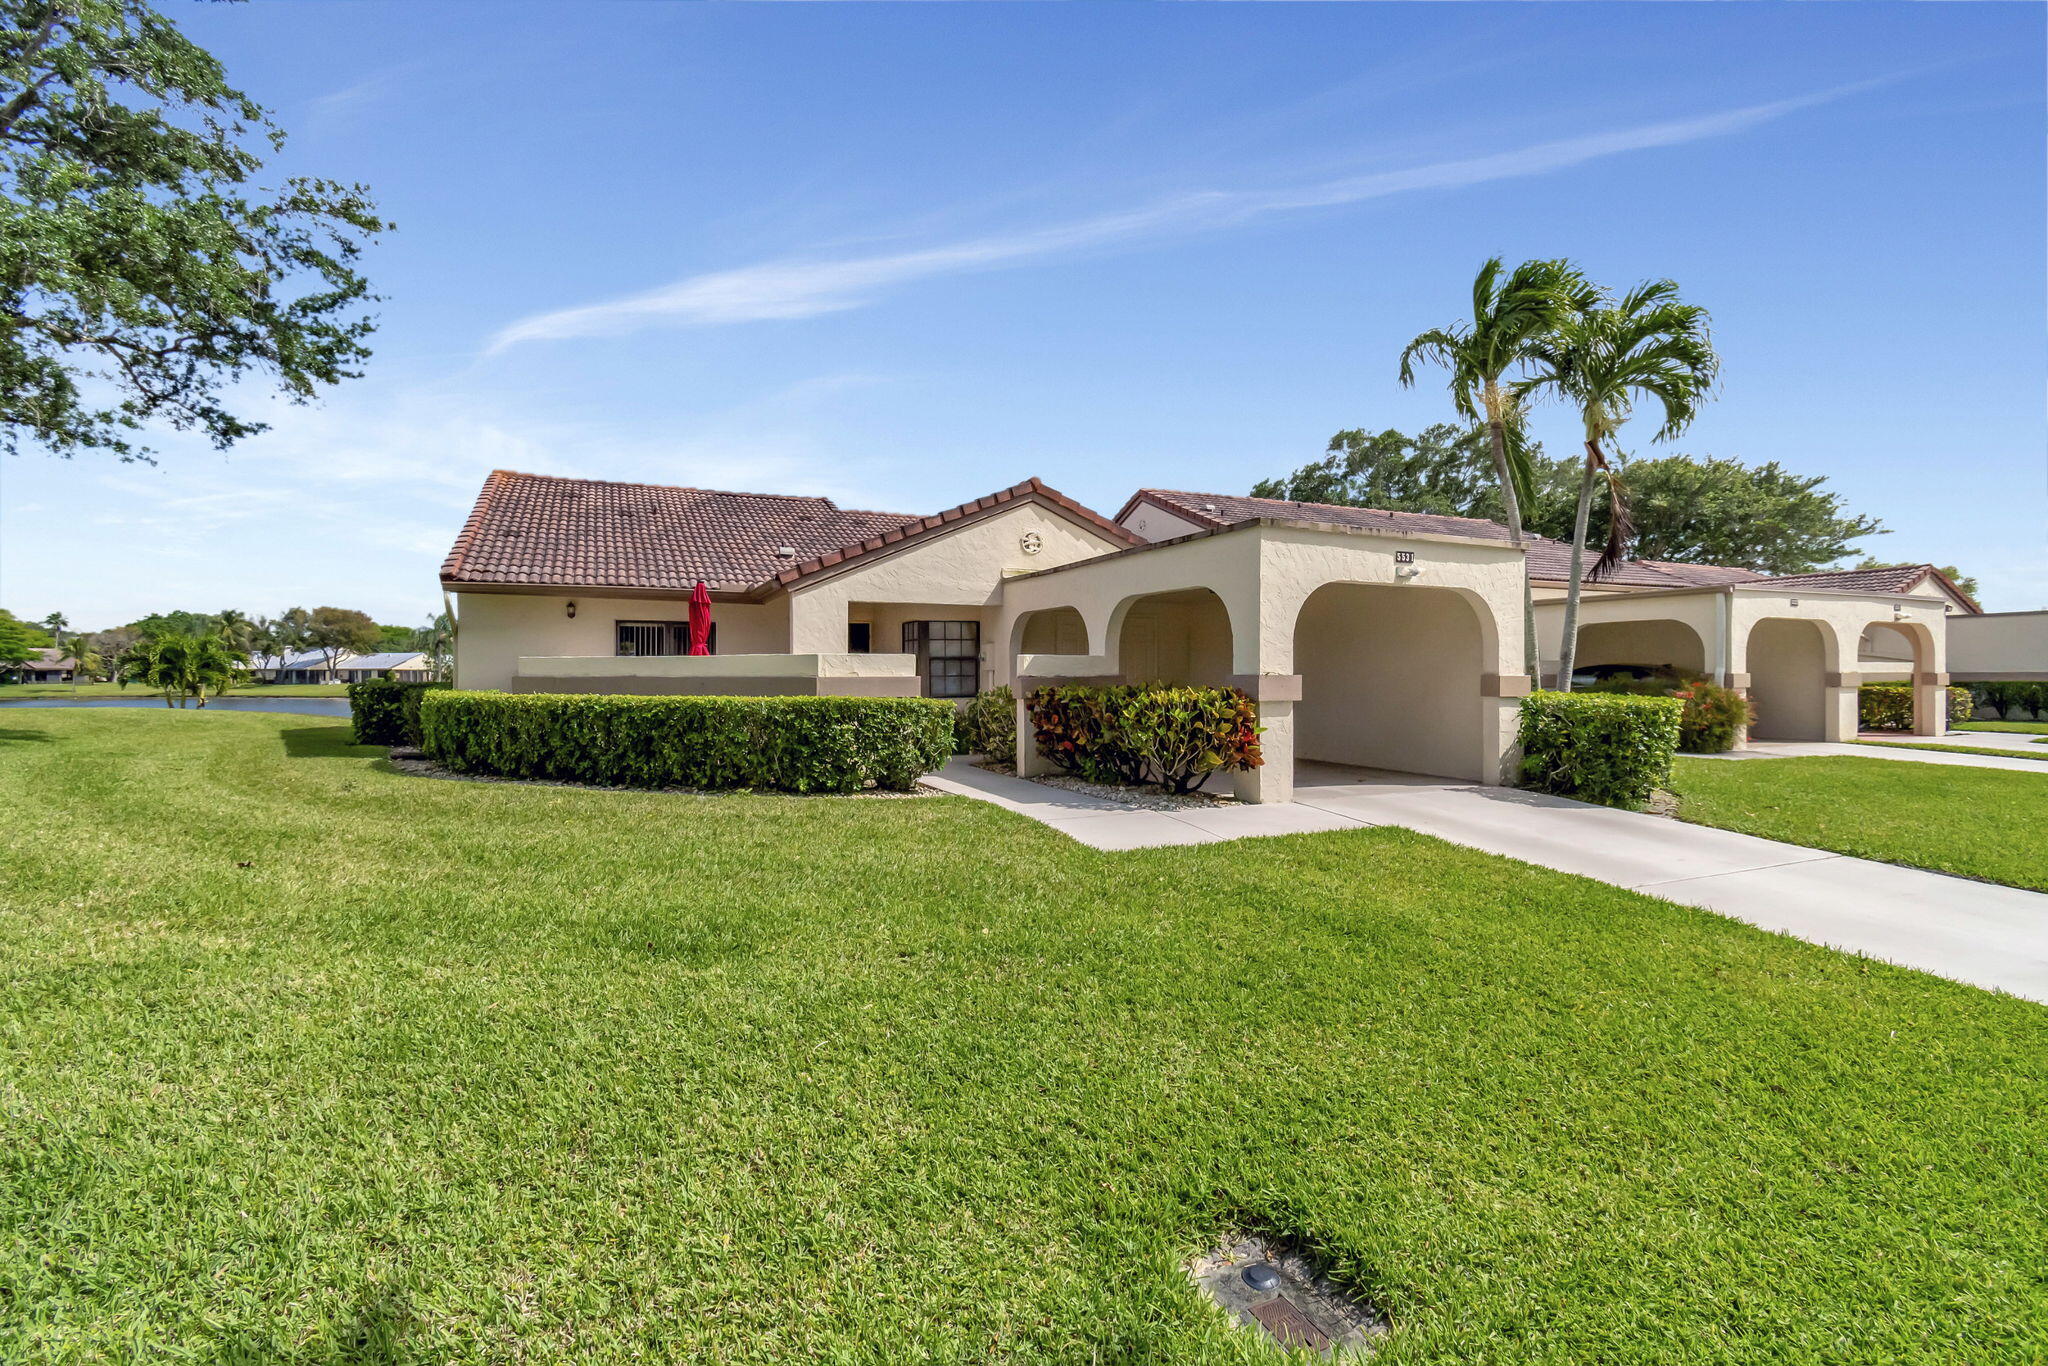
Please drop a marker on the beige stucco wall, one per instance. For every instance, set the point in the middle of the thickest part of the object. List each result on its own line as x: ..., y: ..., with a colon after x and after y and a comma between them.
x: 1263, y: 575
x: 1661, y: 642
x: 1155, y: 523
x: 1699, y: 613
x: 495, y: 629
x: 962, y: 569
x: 1390, y: 678
x: 1788, y: 659
x: 1059, y: 631
x: 1999, y: 645
x: 1176, y: 639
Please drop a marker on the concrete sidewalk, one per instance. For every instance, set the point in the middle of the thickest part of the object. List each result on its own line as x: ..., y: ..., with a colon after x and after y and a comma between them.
x: 1921, y: 754
x: 1976, y: 932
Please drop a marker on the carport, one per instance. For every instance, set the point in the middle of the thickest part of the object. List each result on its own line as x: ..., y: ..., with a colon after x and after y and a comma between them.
x: 1380, y: 649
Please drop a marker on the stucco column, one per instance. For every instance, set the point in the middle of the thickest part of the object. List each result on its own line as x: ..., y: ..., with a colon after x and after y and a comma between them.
x: 1030, y: 763
x: 1930, y: 704
x: 1740, y: 684
x: 1839, y: 715
x: 1273, y: 781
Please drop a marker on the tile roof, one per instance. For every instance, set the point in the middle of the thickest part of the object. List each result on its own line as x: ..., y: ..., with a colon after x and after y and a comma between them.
x: 532, y: 529
x: 1549, y: 561
x: 1898, y: 578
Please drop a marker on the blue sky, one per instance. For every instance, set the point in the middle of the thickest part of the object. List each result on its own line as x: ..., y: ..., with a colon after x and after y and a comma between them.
x: 905, y: 255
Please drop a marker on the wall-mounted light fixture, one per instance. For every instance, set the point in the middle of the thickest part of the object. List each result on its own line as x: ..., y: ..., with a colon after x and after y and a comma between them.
x: 1795, y: 602
x: 572, y: 609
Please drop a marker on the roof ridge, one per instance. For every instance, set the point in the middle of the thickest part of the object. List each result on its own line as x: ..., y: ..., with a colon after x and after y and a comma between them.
x: 1342, y: 507
x: 694, y: 488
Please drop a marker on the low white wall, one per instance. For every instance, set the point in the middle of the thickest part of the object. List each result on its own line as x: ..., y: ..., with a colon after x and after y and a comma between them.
x: 494, y: 630
x: 719, y: 666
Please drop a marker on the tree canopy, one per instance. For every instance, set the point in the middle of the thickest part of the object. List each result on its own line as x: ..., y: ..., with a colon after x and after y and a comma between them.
x: 1712, y: 511
x: 143, y: 274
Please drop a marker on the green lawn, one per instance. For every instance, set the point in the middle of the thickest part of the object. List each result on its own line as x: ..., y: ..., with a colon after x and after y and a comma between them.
x: 1977, y: 822
x: 1954, y: 749
x: 2009, y: 727
x: 305, y: 1061
x: 27, y: 692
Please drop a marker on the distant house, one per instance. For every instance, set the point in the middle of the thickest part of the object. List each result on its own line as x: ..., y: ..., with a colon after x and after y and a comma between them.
x: 49, y: 666
x: 312, y: 666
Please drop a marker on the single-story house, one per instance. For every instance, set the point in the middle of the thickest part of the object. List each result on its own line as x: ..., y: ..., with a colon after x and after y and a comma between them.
x: 1380, y: 639
x: 313, y: 666
x: 47, y: 665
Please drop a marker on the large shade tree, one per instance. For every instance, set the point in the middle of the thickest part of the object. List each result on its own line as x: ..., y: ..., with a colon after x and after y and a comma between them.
x: 1647, y: 346
x: 1513, y: 311
x: 144, y: 273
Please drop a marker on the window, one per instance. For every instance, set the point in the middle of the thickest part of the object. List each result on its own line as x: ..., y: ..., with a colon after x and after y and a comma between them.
x: 948, y: 655
x: 659, y: 638
x: 859, y: 637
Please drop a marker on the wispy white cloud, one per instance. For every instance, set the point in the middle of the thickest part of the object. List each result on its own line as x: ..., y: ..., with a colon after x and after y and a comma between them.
x: 806, y: 288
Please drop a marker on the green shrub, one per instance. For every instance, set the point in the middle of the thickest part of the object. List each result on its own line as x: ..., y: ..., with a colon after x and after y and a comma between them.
x: 386, y: 711
x: 1604, y: 747
x: 1714, y: 715
x: 1889, y: 706
x: 1171, y: 735
x: 794, y: 744
x: 988, y: 726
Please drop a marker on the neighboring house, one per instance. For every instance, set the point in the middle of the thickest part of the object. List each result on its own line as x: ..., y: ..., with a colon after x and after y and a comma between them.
x: 1381, y: 639
x: 47, y: 666
x: 311, y: 666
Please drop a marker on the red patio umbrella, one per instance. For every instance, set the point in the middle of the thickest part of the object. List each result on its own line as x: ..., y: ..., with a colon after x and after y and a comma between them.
x: 700, y: 619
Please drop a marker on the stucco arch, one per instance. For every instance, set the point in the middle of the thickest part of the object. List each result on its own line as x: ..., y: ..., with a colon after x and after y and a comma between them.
x: 1183, y: 635
x: 1655, y: 642
x: 1393, y: 676
x: 1049, y: 631
x: 1790, y: 662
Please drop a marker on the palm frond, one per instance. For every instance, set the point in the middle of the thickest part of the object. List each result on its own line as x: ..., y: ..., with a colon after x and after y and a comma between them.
x: 1621, y: 528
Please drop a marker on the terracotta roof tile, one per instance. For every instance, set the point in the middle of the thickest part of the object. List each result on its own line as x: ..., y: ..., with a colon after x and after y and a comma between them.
x: 532, y: 529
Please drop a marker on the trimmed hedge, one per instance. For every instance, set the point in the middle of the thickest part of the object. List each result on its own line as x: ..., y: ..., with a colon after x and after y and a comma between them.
x: 792, y: 744
x: 988, y: 726
x: 386, y: 711
x: 1153, y: 732
x: 1714, y: 715
x: 1889, y: 706
x: 1609, y: 748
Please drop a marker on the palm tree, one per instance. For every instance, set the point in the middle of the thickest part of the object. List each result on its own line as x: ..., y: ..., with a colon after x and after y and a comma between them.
x: 436, y: 640
x: 86, y: 661
x: 181, y: 667
x: 1602, y: 360
x: 57, y: 623
x: 237, y: 630
x: 1510, y: 317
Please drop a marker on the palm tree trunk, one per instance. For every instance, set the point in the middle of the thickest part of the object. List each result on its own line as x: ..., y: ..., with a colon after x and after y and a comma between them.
x: 1569, y: 650
x: 1512, y: 503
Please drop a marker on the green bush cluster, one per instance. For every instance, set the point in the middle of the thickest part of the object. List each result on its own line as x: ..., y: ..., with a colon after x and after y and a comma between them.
x: 1611, y: 748
x: 1175, y: 736
x: 386, y: 711
x: 2005, y: 696
x: 792, y: 744
x: 1889, y: 706
x: 1714, y: 715
x: 988, y: 726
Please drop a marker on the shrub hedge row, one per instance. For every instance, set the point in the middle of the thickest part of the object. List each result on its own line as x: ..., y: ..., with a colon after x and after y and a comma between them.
x: 792, y: 744
x: 1889, y: 706
x: 1714, y: 716
x: 386, y: 711
x: 1610, y: 748
x: 1153, y: 732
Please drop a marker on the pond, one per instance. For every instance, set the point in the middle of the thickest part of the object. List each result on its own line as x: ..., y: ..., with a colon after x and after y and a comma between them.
x: 304, y: 706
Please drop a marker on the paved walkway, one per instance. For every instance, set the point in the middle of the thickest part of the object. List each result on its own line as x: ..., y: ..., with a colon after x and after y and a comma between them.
x: 1922, y: 754
x: 1976, y: 932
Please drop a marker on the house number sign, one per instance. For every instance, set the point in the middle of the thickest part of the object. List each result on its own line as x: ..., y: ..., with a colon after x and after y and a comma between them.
x: 1404, y: 557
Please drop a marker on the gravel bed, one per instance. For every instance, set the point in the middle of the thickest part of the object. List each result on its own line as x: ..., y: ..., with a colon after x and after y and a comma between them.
x: 414, y: 764
x: 1142, y: 798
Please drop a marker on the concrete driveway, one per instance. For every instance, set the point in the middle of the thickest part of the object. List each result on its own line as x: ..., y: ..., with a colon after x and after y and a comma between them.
x: 1976, y: 932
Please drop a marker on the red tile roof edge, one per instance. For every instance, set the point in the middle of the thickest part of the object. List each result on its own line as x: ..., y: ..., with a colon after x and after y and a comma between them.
x: 1032, y: 488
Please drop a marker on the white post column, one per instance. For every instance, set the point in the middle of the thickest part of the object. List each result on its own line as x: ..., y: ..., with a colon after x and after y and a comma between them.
x: 1741, y: 684
x: 1275, y: 696
x: 1030, y: 763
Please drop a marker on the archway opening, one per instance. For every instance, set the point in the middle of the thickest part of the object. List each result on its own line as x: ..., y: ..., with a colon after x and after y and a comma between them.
x: 1788, y: 669
x: 1660, y: 644
x: 1052, y: 631
x: 1177, y: 637
x: 1390, y: 678
x: 1888, y: 652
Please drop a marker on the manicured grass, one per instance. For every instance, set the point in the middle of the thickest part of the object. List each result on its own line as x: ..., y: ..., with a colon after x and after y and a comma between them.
x: 2009, y: 727
x: 1954, y: 749
x: 31, y: 692
x: 1977, y: 822
x: 305, y: 1061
